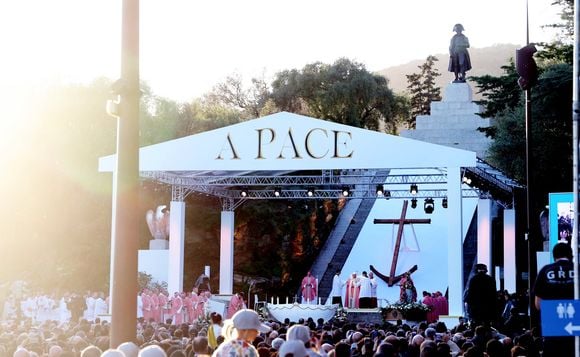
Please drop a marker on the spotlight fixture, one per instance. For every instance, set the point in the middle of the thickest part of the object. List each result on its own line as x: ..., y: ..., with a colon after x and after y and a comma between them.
x: 380, y: 190
x: 466, y: 180
x: 414, y: 203
x: 277, y: 191
x: 429, y: 205
x: 444, y: 202
x: 244, y: 192
x: 345, y: 191
x: 387, y: 194
x: 414, y: 189
x: 310, y: 192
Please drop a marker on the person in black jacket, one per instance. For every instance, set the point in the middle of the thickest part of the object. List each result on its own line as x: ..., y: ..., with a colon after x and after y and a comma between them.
x: 556, y: 282
x: 480, y: 297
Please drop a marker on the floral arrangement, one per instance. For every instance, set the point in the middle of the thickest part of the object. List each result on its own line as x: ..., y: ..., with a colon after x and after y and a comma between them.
x: 340, y: 315
x: 204, y: 320
x: 410, y: 310
x: 263, y: 312
x: 408, y: 307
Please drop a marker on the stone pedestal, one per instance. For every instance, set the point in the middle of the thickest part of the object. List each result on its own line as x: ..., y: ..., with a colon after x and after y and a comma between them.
x: 453, y: 122
x: 158, y: 244
x: 155, y: 263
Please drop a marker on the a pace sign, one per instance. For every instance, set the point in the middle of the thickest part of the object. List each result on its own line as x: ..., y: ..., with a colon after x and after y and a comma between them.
x: 560, y: 317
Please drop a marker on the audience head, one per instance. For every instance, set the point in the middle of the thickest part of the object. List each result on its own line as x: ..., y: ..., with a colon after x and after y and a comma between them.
x: 293, y: 348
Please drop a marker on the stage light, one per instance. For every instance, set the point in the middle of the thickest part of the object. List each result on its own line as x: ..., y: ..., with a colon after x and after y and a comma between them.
x: 380, y: 190
x: 277, y: 191
x: 310, y: 192
x: 466, y: 180
x: 244, y: 192
x: 444, y: 202
x: 414, y: 203
x: 387, y: 194
x: 429, y: 205
x: 345, y: 191
x: 414, y: 189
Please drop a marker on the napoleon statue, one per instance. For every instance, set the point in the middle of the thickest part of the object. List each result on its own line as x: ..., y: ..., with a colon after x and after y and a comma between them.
x: 459, y: 61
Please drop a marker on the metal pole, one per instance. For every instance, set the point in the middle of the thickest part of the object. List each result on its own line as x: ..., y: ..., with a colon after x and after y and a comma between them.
x: 125, y: 237
x: 575, y: 153
x: 529, y: 204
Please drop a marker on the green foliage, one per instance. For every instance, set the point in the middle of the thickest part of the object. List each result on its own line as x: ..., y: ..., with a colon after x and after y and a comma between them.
x: 58, y: 233
x: 551, y: 134
x: 499, y: 93
x: 291, y: 232
x: 344, y: 92
x: 422, y: 89
x: 550, y: 124
x: 232, y: 93
x: 158, y: 118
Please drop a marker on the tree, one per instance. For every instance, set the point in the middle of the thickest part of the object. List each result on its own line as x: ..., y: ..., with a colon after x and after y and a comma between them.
x: 57, y: 224
x: 422, y: 89
x: 344, y: 92
x: 248, y: 101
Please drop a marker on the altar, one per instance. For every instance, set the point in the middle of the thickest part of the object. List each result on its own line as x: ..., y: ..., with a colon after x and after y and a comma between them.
x: 295, y: 312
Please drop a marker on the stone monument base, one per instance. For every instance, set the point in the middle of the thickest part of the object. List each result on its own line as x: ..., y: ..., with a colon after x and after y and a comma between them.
x: 155, y: 263
x: 157, y: 244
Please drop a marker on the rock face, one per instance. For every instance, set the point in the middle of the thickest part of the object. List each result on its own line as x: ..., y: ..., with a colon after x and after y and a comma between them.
x: 453, y: 122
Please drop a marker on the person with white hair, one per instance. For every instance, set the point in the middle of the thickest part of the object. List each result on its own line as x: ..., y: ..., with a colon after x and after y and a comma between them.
x: 112, y: 352
x: 301, y: 333
x: 129, y: 349
x: 152, y: 351
x: 292, y: 348
x: 240, y: 332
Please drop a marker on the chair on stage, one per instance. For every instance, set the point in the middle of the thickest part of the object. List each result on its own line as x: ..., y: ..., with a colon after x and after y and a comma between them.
x: 257, y: 303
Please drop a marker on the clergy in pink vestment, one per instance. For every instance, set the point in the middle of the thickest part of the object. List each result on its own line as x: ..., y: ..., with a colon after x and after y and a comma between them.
x: 236, y: 303
x: 441, y: 303
x: 309, y: 291
x: 187, y: 308
x: 430, y: 302
x: 352, y: 291
x: 146, y: 299
x: 155, y: 306
x: 177, y: 309
x: 162, y: 307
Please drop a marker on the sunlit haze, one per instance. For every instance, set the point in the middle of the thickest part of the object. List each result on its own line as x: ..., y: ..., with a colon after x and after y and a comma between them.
x: 188, y: 46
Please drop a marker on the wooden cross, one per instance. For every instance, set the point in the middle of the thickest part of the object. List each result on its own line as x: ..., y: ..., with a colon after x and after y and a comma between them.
x: 392, y: 279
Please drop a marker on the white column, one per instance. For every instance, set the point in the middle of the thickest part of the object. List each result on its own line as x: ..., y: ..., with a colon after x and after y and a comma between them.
x: 455, y: 241
x: 509, y: 250
x: 227, y: 253
x: 484, y: 232
x: 176, y: 246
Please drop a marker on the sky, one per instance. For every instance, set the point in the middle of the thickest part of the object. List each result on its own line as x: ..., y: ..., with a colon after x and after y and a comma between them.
x: 188, y: 46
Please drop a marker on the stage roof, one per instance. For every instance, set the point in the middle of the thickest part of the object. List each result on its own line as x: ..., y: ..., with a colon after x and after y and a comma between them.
x: 294, y: 152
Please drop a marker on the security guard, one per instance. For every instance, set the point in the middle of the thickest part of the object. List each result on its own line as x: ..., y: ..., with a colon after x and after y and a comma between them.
x: 556, y: 282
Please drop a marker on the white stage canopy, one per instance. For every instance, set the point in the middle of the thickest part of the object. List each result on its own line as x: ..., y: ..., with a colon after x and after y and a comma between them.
x: 296, y: 152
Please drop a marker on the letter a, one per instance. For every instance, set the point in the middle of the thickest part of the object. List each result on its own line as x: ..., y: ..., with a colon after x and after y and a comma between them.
x: 231, y: 148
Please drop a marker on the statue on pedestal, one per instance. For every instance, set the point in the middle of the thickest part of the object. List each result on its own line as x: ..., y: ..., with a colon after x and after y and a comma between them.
x: 459, y: 61
x: 158, y: 222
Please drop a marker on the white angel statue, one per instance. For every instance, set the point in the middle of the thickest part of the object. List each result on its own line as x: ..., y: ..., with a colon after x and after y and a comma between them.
x: 158, y: 222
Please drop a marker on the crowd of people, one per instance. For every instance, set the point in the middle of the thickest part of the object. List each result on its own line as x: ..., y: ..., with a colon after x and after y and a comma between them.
x: 177, y: 326
x: 500, y: 332
x: 246, y: 334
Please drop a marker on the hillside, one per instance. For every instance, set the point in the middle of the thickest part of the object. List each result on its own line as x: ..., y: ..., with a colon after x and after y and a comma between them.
x: 486, y: 60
